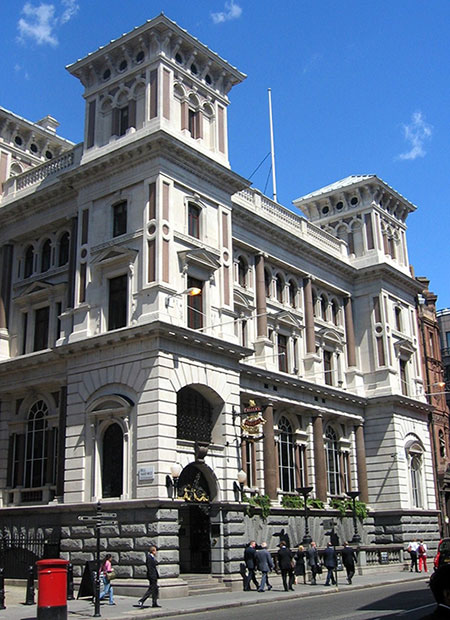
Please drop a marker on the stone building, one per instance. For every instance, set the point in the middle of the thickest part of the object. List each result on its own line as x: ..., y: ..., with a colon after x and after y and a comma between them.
x: 443, y: 317
x: 152, y: 300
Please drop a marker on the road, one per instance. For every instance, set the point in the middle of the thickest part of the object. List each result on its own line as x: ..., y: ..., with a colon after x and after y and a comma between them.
x: 404, y: 600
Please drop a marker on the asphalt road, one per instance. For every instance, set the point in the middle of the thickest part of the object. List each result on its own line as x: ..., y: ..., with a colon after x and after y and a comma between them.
x: 404, y: 600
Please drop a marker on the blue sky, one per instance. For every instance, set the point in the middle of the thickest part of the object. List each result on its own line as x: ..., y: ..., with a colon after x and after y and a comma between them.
x: 358, y: 87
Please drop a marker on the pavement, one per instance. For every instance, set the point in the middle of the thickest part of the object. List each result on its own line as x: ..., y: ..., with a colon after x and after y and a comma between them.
x: 126, y: 607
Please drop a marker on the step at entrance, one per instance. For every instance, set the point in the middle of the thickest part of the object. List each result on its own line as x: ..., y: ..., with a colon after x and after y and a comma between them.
x: 203, y: 584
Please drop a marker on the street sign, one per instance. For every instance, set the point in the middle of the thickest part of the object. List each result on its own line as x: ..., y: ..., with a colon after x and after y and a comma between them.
x: 106, y: 515
x: 103, y: 523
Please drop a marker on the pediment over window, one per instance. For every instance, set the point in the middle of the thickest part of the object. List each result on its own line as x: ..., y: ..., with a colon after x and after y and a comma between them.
x: 110, y: 405
x: 202, y: 258
x: 243, y: 300
x: 328, y: 336
x: 37, y: 291
x: 404, y: 348
x: 114, y: 255
x: 285, y: 318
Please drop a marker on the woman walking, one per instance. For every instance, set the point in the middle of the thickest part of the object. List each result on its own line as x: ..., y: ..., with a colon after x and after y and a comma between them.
x: 300, y: 568
x: 106, y: 573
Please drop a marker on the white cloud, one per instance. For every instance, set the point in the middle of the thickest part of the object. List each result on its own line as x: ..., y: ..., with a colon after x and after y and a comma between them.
x: 233, y: 11
x: 39, y: 23
x: 416, y: 134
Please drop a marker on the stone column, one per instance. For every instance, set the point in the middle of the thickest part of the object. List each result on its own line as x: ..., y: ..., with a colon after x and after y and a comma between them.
x: 319, y: 458
x: 350, y: 332
x: 361, y: 463
x: 261, y: 307
x: 309, y: 316
x: 270, y: 462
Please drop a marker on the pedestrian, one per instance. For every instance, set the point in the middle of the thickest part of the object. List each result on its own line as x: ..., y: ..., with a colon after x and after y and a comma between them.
x: 300, y: 568
x: 106, y: 574
x: 265, y: 564
x: 285, y: 562
x: 313, y: 561
x: 330, y: 562
x: 412, y: 549
x: 440, y: 587
x: 152, y: 576
x: 348, y: 560
x: 250, y: 563
x: 422, y: 553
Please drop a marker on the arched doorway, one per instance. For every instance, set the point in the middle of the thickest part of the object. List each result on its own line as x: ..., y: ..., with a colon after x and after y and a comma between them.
x: 194, y: 521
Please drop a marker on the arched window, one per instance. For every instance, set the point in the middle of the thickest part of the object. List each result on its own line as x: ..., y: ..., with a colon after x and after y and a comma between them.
x: 398, y: 318
x: 414, y: 455
x: 64, y: 245
x: 267, y: 282
x: 442, y: 449
x: 46, y: 255
x: 112, y: 461
x: 314, y: 302
x: 335, y: 312
x: 286, y: 457
x: 293, y: 294
x: 242, y: 272
x: 280, y: 288
x: 36, y: 448
x: 29, y: 260
x: 194, y: 415
x: 332, y: 456
x: 323, y: 307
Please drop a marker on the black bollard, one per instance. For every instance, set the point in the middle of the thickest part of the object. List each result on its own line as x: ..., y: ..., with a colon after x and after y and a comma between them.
x: 70, y: 595
x: 2, y: 589
x: 30, y: 587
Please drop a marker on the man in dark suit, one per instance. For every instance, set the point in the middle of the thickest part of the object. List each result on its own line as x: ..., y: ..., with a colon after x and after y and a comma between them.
x: 285, y: 557
x: 313, y: 560
x: 330, y: 561
x: 152, y: 576
x: 348, y: 560
x: 250, y: 563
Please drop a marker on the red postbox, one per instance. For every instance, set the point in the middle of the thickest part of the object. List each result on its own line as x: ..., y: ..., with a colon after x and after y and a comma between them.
x: 52, y: 589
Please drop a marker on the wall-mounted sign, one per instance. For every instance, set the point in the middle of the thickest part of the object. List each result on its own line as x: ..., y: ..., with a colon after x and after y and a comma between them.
x: 146, y: 474
x: 253, y: 423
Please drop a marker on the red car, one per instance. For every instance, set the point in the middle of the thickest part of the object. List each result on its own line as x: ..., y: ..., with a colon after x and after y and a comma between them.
x: 443, y: 553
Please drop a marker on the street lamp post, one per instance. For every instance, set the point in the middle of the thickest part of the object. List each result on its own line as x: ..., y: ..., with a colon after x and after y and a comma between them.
x: 356, y: 537
x: 305, y: 491
x: 172, y: 482
x: 238, y: 487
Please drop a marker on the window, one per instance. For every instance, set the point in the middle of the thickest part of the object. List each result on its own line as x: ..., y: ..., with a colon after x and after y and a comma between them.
x: 286, y: 455
x: 335, y: 312
x: 279, y: 288
x: 112, y: 462
x: 195, y: 305
x: 267, y: 282
x: 282, y: 353
x: 41, y: 321
x: 194, y: 221
x: 332, y: 459
x: 442, y: 449
x: 314, y: 303
x: 249, y: 462
x: 64, y: 246
x: 119, y: 218
x: 244, y: 333
x: 447, y: 340
x: 118, y: 302
x: 403, y: 377
x: 398, y: 318
x: 123, y: 120
x: 46, y: 256
x: 29, y: 262
x: 323, y: 307
x: 194, y: 123
x: 242, y: 272
x: 328, y: 366
x: 292, y: 291
x: 194, y: 416
x: 38, y: 447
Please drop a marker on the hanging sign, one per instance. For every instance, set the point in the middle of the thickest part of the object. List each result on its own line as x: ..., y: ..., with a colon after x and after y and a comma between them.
x: 253, y: 423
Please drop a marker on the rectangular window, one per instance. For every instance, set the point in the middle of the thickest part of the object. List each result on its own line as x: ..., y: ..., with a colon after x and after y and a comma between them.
x: 195, y: 305
x: 41, y: 320
x: 282, y: 353
x: 376, y: 309
x: 91, y: 125
x: 447, y: 340
x: 82, y: 295
x: 118, y: 302
x: 124, y: 120
x: 152, y: 201
x: 151, y: 260
x: 194, y: 123
x: 153, y: 93
x: 84, y: 226
x: 119, y: 218
x: 403, y: 377
x: 328, y: 366
x: 58, y: 320
x: 24, y: 332
x: 249, y: 462
x: 194, y: 221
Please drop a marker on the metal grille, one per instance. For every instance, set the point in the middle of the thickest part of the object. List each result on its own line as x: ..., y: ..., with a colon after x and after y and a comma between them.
x: 19, y: 552
x: 194, y: 416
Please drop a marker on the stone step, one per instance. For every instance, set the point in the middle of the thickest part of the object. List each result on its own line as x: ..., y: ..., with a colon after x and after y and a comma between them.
x: 203, y: 584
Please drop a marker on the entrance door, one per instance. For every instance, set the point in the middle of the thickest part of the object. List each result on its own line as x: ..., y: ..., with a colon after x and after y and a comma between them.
x: 194, y: 540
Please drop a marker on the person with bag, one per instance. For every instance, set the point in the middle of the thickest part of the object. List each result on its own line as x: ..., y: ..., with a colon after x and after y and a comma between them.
x: 107, y: 574
x: 285, y: 562
x: 152, y: 576
x: 422, y: 553
x: 314, y: 563
x: 412, y: 550
x: 300, y: 568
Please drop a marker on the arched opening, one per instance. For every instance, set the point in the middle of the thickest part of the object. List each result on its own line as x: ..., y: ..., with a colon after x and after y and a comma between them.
x: 279, y: 288
x: 194, y: 520
x: 332, y: 454
x: 293, y: 289
x: 242, y: 272
x: 64, y: 244
x: 29, y: 260
x: 194, y: 415
x: 286, y: 456
x: 46, y: 256
x: 112, y: 461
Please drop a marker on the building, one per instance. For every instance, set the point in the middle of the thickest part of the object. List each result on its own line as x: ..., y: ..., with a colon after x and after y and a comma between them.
x: 433, y: 373
x: 153, y: 300
x: 443, y: 317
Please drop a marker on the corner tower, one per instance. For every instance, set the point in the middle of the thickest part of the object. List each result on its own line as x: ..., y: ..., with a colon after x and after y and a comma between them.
x: 156, y: 77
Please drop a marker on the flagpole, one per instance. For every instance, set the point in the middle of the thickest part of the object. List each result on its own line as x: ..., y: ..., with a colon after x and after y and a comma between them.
x: 272, y: 148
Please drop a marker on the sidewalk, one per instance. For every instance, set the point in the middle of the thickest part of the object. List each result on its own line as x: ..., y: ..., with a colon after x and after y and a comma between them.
x: 125, y: 606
